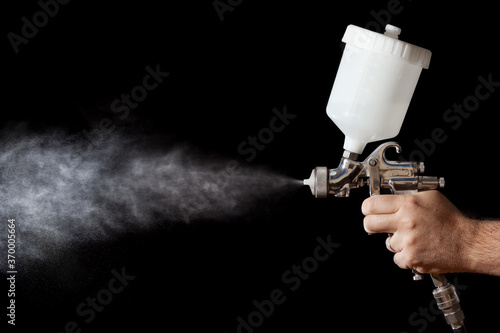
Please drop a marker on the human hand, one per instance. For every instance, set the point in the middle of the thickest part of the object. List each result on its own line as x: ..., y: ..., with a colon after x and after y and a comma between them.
x: 430, y: 234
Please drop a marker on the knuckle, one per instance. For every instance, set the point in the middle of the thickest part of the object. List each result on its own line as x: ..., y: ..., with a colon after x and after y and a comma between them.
x: 411, y: 241
x: 409, y: 221
x: 411, y: 201
x: 413, y: 260
x: 409, y: 213
x: 410, y: 259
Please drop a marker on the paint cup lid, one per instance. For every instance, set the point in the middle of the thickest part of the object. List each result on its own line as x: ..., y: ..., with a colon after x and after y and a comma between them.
x: 387, y: 43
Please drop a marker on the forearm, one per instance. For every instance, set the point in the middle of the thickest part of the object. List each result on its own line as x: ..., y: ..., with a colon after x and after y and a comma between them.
x: 431, y: 235
x: 484, y: 247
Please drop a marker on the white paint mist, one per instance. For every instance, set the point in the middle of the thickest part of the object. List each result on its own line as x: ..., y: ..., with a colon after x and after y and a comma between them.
x: 59, y: 196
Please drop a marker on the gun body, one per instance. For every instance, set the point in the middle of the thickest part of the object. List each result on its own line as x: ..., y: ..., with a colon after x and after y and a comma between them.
x: 381, y: 175
x: 384, y: 176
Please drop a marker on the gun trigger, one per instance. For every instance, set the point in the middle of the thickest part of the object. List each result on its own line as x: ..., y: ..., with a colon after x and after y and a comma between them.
x: 374, y: 177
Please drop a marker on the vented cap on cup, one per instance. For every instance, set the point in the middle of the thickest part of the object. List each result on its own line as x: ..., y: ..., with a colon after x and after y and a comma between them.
x: 387, y: 43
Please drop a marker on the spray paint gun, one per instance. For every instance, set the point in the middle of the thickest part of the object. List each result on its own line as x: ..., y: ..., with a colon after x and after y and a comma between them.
x: 375, y: 82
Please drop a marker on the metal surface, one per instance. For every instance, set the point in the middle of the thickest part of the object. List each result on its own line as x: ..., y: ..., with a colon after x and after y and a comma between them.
x: 318, y: 182
x: 380, y: 174
x: 383, y: 176
x: 447, y: 301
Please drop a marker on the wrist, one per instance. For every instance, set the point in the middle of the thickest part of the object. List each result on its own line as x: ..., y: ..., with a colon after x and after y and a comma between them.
x: 470, y: 246
x: 482, y: 243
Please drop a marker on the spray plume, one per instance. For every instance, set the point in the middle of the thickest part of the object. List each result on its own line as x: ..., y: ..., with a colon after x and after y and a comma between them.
x: 60, y: 193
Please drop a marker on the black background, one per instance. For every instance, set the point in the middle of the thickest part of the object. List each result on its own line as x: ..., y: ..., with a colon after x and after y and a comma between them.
x: 225, y: 79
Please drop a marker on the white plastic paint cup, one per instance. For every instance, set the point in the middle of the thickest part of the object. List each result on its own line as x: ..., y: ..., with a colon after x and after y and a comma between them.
x: 375, y: 82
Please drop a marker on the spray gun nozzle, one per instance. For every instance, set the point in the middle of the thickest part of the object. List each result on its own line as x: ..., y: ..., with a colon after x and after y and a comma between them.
x: 310, y: 181
x: 318, y: 182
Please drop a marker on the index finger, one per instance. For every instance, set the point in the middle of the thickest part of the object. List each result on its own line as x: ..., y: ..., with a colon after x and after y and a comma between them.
x: 381, y: 204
